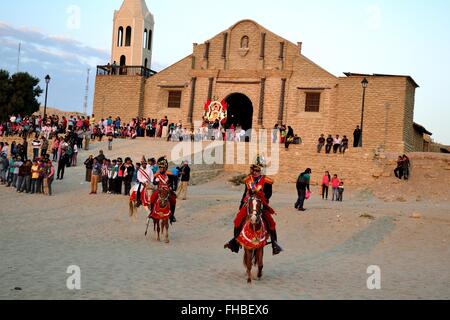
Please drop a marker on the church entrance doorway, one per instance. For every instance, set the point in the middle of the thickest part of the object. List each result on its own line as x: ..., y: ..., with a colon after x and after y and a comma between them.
x: 240, y: 111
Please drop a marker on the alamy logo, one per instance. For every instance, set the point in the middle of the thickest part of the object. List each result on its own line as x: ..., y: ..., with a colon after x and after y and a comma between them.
x: 374, y: 281
x: 74, y: 281
x: 74, y: 19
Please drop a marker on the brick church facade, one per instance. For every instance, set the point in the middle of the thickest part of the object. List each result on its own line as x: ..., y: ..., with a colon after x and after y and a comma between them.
x: 266, y: 80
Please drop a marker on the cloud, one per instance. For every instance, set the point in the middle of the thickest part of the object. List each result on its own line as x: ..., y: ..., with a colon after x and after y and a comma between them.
x: 65, y: 59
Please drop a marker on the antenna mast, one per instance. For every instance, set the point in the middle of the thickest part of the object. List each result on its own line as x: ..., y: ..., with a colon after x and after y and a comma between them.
x: 86, y: 97
x: 18, y: 57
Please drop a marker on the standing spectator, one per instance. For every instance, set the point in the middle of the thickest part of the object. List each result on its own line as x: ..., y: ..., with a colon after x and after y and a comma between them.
x: 341, y: 191
x: 303, y: 185
x: 49, y: 176
x: 356, y: 137
x: 399, y: 170
x: 36, y: 144
x: 337, y: 143
x: 321, y: 143
x: 34, y: 176
x: 335, y: 185
x: 62, y: 163
x: 128, y: 172
x: 110, y: 143
x: 119, y: 180
x: 185, y: 178
x: 55, y: 147
x: 4, y: 165
x: 406, y: 164
x: 344, y: 145
x: 25, y: 177
x: 96, y: 172
x: 112, y: 177
x: 44, y: 147
x: 89, y: 164
x: 176, y: 178
x: 326, y: 185
x: 105, y: 175
x: 17, y: 164
x: 74, y: 155
x: 24, y: 154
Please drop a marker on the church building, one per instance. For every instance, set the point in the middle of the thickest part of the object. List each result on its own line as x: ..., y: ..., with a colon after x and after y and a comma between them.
x: 264, y: 79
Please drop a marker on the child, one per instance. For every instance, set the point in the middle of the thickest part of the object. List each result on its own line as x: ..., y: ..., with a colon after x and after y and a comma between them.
x: 110, y: 141
x: 341, y: 191
x: 335, y: 182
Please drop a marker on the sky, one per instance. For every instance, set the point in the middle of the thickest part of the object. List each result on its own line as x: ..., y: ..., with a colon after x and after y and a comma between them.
x: 409, y: 37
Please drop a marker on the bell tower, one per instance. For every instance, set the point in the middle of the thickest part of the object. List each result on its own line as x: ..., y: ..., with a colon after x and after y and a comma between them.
x: 133, y: 27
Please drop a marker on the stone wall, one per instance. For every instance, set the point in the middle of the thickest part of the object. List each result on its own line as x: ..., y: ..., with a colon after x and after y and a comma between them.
x: 118, y: 96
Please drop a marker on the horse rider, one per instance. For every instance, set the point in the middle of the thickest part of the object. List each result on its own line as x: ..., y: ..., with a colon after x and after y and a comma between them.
x: 164, y: 179
x: 144, y: 179
x: 260, y: 185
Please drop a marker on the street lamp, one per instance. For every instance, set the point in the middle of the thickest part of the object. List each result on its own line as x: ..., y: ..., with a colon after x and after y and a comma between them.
x: 47, y: 81
x: 365, y: 84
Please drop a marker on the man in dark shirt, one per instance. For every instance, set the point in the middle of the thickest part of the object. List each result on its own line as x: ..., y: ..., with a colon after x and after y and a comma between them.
x: 185, y: 178
x: 321, y: 143
x: 329, y: 145
x: 303, y: 185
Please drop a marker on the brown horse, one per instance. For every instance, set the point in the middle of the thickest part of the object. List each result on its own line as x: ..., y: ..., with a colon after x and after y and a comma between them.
x: 161, y: 213
x: 254, y: 237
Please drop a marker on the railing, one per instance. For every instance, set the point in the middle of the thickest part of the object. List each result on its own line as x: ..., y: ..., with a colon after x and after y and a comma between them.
x: 111, y: 70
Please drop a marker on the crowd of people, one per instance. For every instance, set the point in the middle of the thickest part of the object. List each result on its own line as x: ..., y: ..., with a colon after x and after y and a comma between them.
x: 117, y: 176
x: 26, y: 176
x: 336, y: 144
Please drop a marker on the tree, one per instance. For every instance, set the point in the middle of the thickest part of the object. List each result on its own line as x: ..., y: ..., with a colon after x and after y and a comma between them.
x: 5, y: 94
x: 18, y: 94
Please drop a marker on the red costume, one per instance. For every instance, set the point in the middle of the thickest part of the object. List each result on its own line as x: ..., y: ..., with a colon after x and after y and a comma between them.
x: 262, y: 187
x: 163, y: 180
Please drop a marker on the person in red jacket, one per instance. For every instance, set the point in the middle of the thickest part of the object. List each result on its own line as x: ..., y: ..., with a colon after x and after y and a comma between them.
x: 258, y: 184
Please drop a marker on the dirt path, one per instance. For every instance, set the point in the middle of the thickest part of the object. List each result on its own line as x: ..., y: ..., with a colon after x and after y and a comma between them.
x: 327, y: 249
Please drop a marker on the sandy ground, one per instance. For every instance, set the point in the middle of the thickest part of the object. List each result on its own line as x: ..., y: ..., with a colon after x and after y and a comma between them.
x: 327, y: 249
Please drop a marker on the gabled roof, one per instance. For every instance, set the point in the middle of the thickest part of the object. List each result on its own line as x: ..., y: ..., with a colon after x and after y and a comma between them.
x: 351, y: 74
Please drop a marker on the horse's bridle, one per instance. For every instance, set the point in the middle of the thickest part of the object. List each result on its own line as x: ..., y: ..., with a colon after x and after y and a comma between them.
x: 251, y: 208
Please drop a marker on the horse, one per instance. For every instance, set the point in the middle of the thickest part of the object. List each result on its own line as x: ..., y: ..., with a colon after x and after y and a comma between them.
x: 133, y: 202
x: 254, y: 237
x: 160, y: 213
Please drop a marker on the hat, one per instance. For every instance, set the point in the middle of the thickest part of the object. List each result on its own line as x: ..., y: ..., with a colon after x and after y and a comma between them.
x: 162, y: 162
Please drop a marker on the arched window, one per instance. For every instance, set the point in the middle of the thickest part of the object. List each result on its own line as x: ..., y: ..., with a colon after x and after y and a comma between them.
x: 146, y: 63
x: 145, y: 39
x: 120, y: 37
x: 150, y: 36
x: 123, y: 63
x: 128, y: 37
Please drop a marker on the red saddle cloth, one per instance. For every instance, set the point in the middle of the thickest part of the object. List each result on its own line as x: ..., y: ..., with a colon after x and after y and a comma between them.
x: 161, y: 213
x: 252, y: 240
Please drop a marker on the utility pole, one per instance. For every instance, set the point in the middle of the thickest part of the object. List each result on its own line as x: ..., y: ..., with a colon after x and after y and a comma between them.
x: 86, y: 96
x: 18, y: 57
